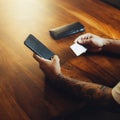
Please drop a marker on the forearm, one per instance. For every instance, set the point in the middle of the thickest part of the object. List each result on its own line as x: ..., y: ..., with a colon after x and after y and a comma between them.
x: 90, y: 92
x: 112, y: 46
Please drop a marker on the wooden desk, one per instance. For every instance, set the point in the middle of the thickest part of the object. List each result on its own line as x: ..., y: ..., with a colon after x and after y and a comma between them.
x: 23, y: 92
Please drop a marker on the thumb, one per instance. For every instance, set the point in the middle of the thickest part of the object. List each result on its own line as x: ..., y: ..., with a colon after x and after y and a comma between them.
x: 55, y: 59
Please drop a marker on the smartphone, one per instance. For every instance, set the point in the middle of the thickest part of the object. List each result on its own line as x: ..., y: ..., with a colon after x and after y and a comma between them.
x: 38, y: 47
x: 67, y: 30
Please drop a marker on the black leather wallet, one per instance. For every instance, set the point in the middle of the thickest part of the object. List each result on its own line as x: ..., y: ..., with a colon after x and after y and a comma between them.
x: 67, y: 30
x: 37, y: 47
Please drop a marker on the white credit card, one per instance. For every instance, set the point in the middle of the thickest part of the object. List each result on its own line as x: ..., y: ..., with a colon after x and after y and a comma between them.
x: 78, y: 49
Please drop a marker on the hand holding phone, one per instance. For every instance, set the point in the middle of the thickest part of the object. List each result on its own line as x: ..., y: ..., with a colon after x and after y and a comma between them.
x: 37, y: 47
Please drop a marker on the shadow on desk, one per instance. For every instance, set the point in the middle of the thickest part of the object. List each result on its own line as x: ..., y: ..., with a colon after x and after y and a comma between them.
x: 91, y: 113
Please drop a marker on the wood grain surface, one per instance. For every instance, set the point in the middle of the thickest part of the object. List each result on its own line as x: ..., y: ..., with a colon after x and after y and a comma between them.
x: 24, y: 95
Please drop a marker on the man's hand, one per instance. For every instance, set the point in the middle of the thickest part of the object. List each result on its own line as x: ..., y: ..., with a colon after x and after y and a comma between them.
x: 51, y: 68
x: 90, y: 92
x: 93, y: 42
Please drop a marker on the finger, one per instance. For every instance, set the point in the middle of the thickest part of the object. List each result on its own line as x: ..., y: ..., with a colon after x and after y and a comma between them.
x: 56, y: 59
x: 38, y: 58
x: 82, y: 38
x: 78, y: 39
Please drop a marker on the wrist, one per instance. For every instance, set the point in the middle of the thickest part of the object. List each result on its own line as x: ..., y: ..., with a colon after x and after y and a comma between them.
x: 53, y: 76
x: 106, y: 44
x: 60, y: 75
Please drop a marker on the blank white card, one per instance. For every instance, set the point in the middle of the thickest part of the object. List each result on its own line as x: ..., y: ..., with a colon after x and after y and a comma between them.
x: 78, y: 49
